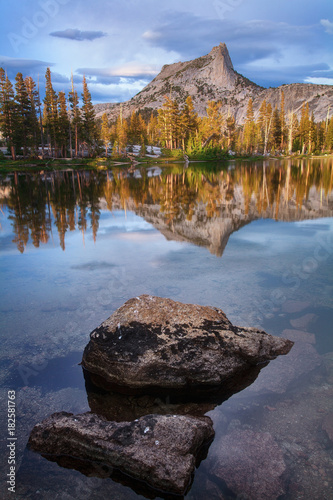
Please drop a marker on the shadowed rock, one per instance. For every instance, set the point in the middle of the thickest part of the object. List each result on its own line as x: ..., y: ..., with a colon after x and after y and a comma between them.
x: 153, y: 343
x: 159, y: 450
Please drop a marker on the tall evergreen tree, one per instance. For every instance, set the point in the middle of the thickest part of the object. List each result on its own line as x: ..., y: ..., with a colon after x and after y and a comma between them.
x: 7, y: 112
x: 51, y: 113
x: 153, y: 132
x: 33, y: 122
x: 230, y: 131
x: 105, y: 132
x: 282, y: 121
x: 89, y: 131
x: 264, y: 125
x: 63, y: 124
x: 165, y: 119
x: 276, y: 128
x: 304, y: 127
x: 75, y: 118
x: 121, y: 135
x: 329, y: 135
x: 188, y: 121
x: 23, y: 113
x: 249, y: 128
x: 292, y: 126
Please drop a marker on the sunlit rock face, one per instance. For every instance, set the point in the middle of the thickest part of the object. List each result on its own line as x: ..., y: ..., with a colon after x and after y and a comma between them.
x: 154, y: 343
x: 160, y: 450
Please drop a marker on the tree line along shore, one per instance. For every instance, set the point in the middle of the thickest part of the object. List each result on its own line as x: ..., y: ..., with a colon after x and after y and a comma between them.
x: 64, y: 126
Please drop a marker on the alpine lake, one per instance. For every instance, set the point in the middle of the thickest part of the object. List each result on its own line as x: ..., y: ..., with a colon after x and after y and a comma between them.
x: 254, y: 238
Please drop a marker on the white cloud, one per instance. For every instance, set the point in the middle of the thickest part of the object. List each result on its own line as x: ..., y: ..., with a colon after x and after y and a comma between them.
x: 328, y: 25
x: 130, y: 69
x: 319, y: 81
x: 151, y: 35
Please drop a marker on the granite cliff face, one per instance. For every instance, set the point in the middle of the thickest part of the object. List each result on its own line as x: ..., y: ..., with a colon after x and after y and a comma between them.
x: 212, y: 77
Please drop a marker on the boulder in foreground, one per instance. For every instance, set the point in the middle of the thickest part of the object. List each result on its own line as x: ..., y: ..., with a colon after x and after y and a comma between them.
x: 160, y: 450
x: 157, y: 343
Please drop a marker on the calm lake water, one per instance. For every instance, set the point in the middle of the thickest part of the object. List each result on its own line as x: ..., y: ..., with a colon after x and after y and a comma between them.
x: 252, y: 238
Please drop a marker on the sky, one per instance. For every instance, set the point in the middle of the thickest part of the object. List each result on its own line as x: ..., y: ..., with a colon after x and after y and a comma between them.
x: 121, y: 45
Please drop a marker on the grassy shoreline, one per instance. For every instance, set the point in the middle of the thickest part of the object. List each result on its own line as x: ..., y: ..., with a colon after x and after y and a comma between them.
x: 8, y: 165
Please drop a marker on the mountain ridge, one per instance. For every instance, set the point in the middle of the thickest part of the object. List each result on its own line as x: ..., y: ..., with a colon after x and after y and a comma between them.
x: 212, y: 77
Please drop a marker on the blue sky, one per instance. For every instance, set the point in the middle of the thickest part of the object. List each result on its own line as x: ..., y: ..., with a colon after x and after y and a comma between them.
x: 120, y: 45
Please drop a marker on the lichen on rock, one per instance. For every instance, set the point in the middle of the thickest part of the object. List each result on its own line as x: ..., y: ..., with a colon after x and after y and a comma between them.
x: 157, y: 343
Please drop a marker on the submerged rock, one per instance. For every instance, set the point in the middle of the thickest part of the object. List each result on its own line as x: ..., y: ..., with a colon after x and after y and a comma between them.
x: 250, y: 463
x: 156, y: 343
x: 327, y: 426
x: 284, y: 372
x: 161, y: 450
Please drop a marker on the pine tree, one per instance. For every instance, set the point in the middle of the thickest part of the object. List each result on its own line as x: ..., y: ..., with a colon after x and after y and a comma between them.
x: 121, y: 134
x: 142, y: 130
x: 105, y: 132
x: 329, y: 135
x: 249, y: 128
x: 304, y: 131
x: 7, y: 112
x: 264, y: 124
x: 188, y: 121
x: 282, y: 121
x: 312, y: 134
x: 75, y: 118
x: 165, y: 122
x: 134, y: 128
x: 292, y: 126
x: 143, y: 150
x: 175, y: 124
x: 63, y: 124
x: 153, y: 130
x: 230, y: 132
x: 33, y: 122
x: 51, y: 113
x: 23, y: 113
x: 89, y: 131
x: 276, y: 128
x: 215, y: 119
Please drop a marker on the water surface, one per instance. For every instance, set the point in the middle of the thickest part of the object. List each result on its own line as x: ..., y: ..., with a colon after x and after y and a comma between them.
x: 253, y: 238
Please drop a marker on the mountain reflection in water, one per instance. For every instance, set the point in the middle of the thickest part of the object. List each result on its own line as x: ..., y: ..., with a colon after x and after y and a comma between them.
x: 202, y: 204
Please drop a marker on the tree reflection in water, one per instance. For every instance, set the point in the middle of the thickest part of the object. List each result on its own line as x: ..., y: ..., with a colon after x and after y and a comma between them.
x: 237, y: 192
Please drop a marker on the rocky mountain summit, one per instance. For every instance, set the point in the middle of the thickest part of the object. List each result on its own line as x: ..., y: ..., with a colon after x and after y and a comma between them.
x: 212, y: 77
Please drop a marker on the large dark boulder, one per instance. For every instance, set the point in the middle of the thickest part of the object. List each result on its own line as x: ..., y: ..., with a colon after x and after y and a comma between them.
x: 153, y: 343
x: 160, y: 450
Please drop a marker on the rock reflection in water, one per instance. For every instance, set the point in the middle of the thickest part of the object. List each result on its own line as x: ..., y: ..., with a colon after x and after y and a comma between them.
x: 122, y: 407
